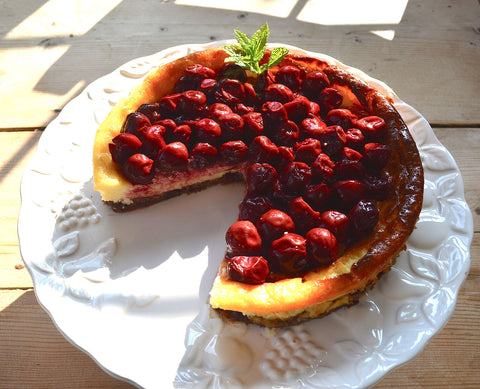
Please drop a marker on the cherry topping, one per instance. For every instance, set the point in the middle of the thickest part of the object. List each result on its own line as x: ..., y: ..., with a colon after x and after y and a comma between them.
x: 329, y: 98
x: 150, y: 111
x: 273, y: 224
x: 233, y: 152
x: 354, y: 139
x: 253, y: 125
x: 308, y: 150
x: 154, y: 140
x: 322, y: 168
x: 322, y: 246
x: 203, y: 155
x: 317, y: 196
x: 287, y: 135
x: 209, y: 87
x: 243, y: 239
x: 251, y: 208
x: 291, y: 76
x: 285, y: 157
x: 168, y: 106
x: 376, y: 156
x: 174, y: 156
x: 218, y: 109
x: 192, y: 103
x: 302, y: 214
x: 138, y: 169
x: 200, y: 71
x: 136, y: 123
x: 341, y: 117
x: 295, y: 177
x: 230, y: 92
x: 208, y: 131
x: 278, y: 92
x: 312, y: 127
x: 233, y: 71
x: 231, y: 125
x: 124, y: 145
x: 298, y: 108
x: 378, y: 186
x: 262, y: 149
x: 348, y: 192
x: 249, y: 270
x: 274, y: 114
x: 337, y: 222
x: 182, y: 133
x: 373, y: 127
x: 288, y: 254
x: 261, y: 178
x: 333, y: 141
x: 314, y: 83
x: 363, y: 218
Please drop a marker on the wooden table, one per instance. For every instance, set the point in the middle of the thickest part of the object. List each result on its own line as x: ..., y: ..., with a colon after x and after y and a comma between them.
x: 427, y: 51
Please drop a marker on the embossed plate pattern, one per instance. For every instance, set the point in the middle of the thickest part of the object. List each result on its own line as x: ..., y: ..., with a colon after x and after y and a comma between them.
x: 131, y: 289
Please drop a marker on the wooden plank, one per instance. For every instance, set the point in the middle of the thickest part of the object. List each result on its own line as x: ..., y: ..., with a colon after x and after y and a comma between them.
x: 45, y: 64
x: 32, y: 351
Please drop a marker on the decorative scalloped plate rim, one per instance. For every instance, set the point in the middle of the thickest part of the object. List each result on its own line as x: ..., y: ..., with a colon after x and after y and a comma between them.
x: 83, y: 266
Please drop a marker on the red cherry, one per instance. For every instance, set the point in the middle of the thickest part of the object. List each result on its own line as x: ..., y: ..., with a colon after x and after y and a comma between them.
x: 354, y: 139
x: 298, y: 108
x: 208, y: 131
x: 278, y: 92
x: 243, y: 239
x: 138, y: 169
x: 218, y: 109
x: 231, y: 125
x: 192, y: 103
x: 261, y: 178
x: 262, y: 149
x: 230, y: 92
x: 253, y: 125
x: 302, y: 214
x: 233, y: 152
x: 372, y: 127
x: 200, y: 71
x: 203, y: 155
x: 287, y: 135
x: 168, y: 106
x: 124, y: 145
x: 333, y: 141
x: 329, y: 98
x: 288, y: 254
x: 322, y: 168
x: 273, y: 224
x: 295, y: 177
x: 274, y: 114
x: 312, y: 127
x: 242, y: 109
x: 173, y: 157
x: 314, y: 83
x: 154, y: 140
x: 170, y: 127
x: 322, y: 246
x: 348, y: 192
x: 264, y: 80
x: 337, y: 222
x: 376, y: 156
x: 317, y: 196
x: 378, y: 186
x: 363, y: 218
x: 285, y: 157
x: 341, y: 117
x: 151, y: 111
x: 209, y: 86
x: 249, y: 270
x: 136, y: 123
x: 291, y: 76
x: 308, y: 150
x: 251, y: 208
x: 182, y: 133
x: 251, y: 98
x: 233, y: 71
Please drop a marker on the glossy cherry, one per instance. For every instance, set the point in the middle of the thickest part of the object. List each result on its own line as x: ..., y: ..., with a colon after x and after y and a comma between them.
x: 273, y: 224
x: 248, y: 269
x: 243, y: 239
x: 322, y: 246
x: 288, y: 254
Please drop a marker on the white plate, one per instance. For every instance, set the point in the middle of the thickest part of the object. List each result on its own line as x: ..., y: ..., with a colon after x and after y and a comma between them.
x: 131, y: 289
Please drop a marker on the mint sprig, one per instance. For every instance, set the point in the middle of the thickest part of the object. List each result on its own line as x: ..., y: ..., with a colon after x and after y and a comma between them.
x: 250, y: 51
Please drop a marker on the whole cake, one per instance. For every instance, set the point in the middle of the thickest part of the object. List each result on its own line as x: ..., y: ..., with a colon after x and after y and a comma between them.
x: 334, y: 181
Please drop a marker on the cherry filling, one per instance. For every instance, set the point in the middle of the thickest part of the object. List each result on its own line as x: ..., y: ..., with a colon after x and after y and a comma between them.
x: 314, y: 170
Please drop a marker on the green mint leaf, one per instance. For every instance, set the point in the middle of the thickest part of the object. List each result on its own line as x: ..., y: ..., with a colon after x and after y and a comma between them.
x: 277, y: 54
x: 243, y: 40
x: 249, y: 52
